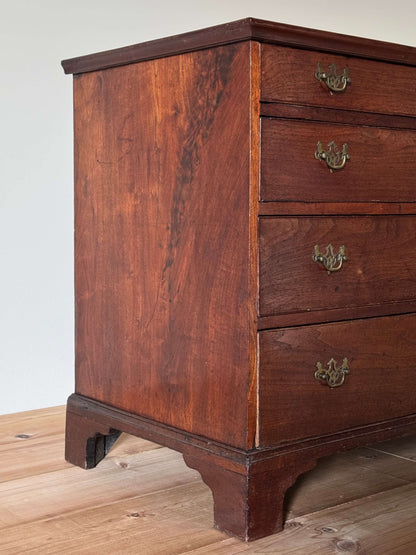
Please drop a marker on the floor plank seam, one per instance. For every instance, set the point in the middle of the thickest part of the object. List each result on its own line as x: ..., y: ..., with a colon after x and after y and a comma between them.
x: 351, y: 502
x: 354, y: 504
x: 66, y: 514
x: 393, y: 454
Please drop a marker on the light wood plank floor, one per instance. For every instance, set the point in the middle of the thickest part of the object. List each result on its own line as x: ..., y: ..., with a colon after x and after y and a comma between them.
x: 142, y: 499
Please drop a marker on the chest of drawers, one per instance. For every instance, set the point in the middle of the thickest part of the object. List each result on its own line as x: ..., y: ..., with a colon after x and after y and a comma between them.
x: 245, y: 261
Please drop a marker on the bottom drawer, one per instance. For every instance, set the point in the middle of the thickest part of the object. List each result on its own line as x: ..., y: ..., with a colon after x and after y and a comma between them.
x: 379, y: 355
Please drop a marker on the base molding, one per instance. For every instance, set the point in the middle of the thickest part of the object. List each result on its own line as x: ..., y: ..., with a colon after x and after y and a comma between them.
x: 248, y: 487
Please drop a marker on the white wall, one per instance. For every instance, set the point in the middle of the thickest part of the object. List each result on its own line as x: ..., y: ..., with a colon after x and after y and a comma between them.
x: 36, y: 286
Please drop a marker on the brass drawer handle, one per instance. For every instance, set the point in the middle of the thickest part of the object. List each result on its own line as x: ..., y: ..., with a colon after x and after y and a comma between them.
x: 335, y: 83
x: 335, y: 159
x: 331, y: 262
x: 335, y: 375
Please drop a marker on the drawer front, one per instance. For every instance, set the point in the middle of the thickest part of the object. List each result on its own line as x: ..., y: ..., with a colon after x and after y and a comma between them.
x: 288, y: 75
x: 380, y: 265
x: 381, y: 166
x: 380, y: 385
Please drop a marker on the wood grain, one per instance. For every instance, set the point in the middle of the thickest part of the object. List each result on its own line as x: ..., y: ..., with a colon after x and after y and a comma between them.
x: 288, y: 76
x: 380, y: 265
x: 345, y: 477
x: 293, y: 404
x: 363, y: 497
x: 161, y: 522
x: 167, y: 172
x: 55, y: 494
x: 238, y: 478
x: 380, y: 169
x: 158, y: 255
x: 31, y: 443
x: 253, y: 282
x: 359, y: 526
x: 241, y: 30
x: 287, y: 319
x: 335, y: 208
x: 331, y: 115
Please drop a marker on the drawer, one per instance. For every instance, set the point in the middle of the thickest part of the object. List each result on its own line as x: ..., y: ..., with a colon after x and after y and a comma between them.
x: 381, y: 383
x: 380, y: 265
x: 381, y: 165
x: 288, y: 75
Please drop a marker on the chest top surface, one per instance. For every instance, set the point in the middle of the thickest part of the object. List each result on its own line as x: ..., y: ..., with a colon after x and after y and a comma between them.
x: 242, y: 30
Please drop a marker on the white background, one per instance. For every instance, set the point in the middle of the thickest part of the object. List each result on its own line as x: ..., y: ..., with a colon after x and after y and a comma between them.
x: 36, y: 207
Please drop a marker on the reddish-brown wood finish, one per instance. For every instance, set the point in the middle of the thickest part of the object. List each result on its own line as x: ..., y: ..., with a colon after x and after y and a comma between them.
x: 335, y: 208
x: 200, y: 314
x: 323, y: 114
x: 248, y: 486
x: 381, y: 355
x: 320, y: 316
x: 381, y: 167
x: 248, y: 503
x: 288, y: 75
x: 380, y: 266
x: 242, y: 30
x: 162, y: 241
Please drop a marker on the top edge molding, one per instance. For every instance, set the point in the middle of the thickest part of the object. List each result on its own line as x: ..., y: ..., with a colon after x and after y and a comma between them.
x: 242, y: 30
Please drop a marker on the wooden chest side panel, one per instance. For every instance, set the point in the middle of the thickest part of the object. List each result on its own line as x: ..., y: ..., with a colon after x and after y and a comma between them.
x: 381, y: 355
x: 162, y: 153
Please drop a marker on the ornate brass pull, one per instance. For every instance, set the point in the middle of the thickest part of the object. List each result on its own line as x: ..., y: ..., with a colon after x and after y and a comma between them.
x: 331, y: 262
x: 335, y: 159
x: 334, y: 376
x: 335, y: 83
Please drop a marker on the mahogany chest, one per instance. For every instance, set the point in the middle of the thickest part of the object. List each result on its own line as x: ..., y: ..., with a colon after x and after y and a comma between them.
x: 245, y: 260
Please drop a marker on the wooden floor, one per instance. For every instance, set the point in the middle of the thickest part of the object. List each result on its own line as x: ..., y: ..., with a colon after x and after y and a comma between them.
x: 142, y: 499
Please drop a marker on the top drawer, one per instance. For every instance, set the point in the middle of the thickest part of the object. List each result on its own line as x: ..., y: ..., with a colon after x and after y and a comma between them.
x: 288, y: 75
